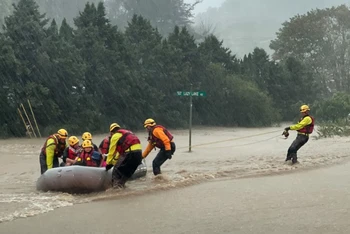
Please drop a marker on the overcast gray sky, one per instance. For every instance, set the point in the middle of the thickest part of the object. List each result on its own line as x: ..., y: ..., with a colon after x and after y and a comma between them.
x: 246, y: 24
x: 202, y: 7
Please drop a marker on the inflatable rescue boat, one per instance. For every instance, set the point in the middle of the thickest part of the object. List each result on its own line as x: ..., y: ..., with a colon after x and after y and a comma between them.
x: 81, y: 179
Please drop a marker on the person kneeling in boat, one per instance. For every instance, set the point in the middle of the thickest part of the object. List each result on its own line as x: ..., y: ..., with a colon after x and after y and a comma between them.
x: 71, y: 153
x: 89, y: 157
x: 125, y: 153
x: 88, y: 136
x: 52, y: 150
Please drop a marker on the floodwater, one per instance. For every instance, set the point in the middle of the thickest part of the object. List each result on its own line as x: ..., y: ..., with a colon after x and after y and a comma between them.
x: 219, y: 155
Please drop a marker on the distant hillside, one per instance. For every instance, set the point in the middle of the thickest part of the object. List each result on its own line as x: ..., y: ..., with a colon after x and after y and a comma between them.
x: 244, y: 25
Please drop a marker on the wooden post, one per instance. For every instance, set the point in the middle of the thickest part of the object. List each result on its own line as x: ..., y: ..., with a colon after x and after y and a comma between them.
x: 24, y: 122
x: 31, y: 110
x: 30, y: 123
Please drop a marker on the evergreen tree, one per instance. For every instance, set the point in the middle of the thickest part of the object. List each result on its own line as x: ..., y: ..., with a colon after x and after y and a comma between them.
x: 66, y: 31
x: 103, y: 50
x: 145, y: 64
x: 10, y: 124
x: 63, y: 9
x: 163, y: 14
x: 25, y: 31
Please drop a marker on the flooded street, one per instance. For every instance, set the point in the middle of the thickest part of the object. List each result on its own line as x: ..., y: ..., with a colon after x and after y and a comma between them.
x: 73, y: 68
x: 218, y: 156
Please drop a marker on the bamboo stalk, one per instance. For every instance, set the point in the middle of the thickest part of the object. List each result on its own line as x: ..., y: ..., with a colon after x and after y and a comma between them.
x: 24, y: 122
x: 31, y: 110
x: 30, y: 123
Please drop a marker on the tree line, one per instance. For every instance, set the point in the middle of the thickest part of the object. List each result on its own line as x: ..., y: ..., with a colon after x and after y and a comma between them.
x: 84, y: 76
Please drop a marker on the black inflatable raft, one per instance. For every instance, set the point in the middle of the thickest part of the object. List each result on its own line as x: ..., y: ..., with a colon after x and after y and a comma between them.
x: 81, y: 179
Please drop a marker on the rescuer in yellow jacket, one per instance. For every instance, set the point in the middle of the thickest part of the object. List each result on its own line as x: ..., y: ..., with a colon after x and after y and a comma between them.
x: 304, y: 127
x: 53, y: 148
x: 124, y: 153
x: 160, y: 137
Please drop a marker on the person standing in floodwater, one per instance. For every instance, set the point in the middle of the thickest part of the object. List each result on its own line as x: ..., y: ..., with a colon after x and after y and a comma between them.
x: 124, y: 153
x: 160, y: 137
x: 304, y: 127
x: 53, y: 148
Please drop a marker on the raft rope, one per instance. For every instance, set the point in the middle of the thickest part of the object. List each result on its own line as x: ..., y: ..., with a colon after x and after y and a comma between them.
x: 237, y: 138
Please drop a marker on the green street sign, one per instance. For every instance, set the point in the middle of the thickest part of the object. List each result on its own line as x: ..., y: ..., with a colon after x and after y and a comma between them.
x: 193, y: 94
x: 199, y: 94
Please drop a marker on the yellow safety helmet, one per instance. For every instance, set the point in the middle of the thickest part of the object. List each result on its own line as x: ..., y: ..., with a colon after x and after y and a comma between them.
x: 73, y: 140
x: 86, y: 136
x: 113, y: 126
x: 62, y: 133
x: 149, y: 123
x: 87, y: 144
x: 304, y: 108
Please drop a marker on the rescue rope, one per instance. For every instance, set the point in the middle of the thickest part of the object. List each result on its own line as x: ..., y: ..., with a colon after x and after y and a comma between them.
x: 255, y: 142
x: 236, y: 138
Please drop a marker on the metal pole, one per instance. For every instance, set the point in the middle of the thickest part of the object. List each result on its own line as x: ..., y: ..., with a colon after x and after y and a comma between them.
x: 30, y: 123
x: 31, y: 110
x: 190, y: 127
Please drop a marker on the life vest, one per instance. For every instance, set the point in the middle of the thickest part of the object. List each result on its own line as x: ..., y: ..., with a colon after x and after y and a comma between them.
x: 308, y: 129
x: 127, y: 139
x: 86, y: 159
x: 104, y: 146
x: 156, y: 141
x: 72, y: 153
x: 60, y: 147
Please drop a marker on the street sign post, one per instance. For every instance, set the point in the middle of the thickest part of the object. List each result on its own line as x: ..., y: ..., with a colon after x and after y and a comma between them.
x: 191, y: 94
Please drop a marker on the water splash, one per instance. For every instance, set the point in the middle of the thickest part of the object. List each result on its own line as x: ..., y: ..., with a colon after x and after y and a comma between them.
x: 27, y: 205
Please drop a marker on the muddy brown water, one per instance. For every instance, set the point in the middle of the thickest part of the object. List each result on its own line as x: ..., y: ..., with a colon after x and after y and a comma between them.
x: 216, y: 153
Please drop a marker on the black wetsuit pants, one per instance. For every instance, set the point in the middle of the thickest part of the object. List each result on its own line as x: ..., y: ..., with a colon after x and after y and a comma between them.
x: 295, y: 146
x: 161, y: 158
x: 125, y: 167
x: 43, y: 165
